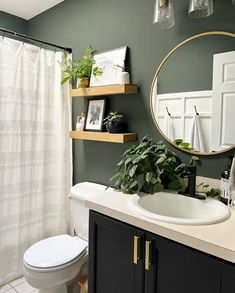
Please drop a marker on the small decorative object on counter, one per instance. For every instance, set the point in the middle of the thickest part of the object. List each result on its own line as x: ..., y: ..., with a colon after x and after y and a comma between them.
x: 80, y: 122
x: 225, y: 190
x: 115, y: 123
x: 231, y: 199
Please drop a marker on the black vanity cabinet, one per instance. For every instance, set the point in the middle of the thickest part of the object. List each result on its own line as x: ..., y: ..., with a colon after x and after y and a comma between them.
x: 111, y: 256
x: 181, y: 269
x: 125, y: 259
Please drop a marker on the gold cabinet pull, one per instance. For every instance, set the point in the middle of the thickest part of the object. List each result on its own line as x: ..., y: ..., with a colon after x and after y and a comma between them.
x: 135, y: 255
x: 147, y: 258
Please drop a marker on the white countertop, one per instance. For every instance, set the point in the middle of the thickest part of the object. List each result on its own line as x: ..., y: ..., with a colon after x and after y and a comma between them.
x: 217, y: 239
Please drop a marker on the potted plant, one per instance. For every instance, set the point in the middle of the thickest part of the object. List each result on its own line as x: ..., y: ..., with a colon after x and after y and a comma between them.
x: 115, y: 122
x: 148, y: 168
x: 80, y: 71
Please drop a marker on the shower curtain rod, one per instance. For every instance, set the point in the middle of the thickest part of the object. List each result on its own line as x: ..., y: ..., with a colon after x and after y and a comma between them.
x: 8, y: 32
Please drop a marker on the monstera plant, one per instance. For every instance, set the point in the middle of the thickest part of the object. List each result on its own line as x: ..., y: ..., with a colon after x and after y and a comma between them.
x: 148, y: 167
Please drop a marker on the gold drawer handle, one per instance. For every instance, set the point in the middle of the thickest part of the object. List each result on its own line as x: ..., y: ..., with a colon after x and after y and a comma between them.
x: 135, y: 256
x: 147, y: 258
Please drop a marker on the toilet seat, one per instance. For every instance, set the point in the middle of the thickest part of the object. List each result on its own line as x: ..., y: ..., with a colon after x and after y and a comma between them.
x: 55, y: 252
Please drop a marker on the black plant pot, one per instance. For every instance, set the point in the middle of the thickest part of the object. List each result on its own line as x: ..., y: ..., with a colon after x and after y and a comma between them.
x: 118, y: 126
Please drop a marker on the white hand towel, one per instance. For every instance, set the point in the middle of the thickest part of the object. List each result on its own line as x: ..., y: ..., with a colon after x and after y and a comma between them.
x: 169, y: 130
x: 196, y: 138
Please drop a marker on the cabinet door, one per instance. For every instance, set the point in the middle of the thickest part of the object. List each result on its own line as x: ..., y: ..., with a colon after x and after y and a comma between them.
x: 228, y: 277
x: 180, y: 269
x: 111, y: 252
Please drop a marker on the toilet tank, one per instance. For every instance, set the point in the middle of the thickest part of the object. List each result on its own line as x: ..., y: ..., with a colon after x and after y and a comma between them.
x: 79, y: 213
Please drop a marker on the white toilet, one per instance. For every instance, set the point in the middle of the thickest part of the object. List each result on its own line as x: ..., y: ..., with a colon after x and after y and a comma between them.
x: 50, y: 263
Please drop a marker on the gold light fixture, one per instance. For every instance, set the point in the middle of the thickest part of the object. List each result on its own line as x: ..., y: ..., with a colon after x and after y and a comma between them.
x: 164, y: 3
x: 164, y: 13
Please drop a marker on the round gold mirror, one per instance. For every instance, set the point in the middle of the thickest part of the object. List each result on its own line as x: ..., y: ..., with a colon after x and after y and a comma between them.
x: 192, y: 96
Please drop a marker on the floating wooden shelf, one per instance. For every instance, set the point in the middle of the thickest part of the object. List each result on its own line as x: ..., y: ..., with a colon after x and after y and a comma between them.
x: 113, y: 89
x: 103, y: 136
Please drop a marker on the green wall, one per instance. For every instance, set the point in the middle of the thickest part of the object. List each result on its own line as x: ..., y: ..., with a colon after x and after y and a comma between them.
x: 13, y: 23
x: 108, y: 24
x: 193, y: 62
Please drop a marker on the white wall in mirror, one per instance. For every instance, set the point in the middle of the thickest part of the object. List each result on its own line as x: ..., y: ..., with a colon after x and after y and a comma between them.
x: 181, y: 108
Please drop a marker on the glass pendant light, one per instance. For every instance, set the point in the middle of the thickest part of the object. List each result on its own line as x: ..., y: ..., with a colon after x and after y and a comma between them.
x: 164, y: 13
x: 200, y: 8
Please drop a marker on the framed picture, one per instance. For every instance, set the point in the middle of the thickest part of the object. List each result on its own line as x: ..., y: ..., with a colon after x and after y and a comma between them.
x: 111, y: 62
x: 95, y: 115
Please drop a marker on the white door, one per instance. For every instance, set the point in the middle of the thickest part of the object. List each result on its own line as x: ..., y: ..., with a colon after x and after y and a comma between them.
x: 223, y: 101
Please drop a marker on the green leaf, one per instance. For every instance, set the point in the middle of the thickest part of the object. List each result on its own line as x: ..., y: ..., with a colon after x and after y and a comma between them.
x: 128, y: 161
x: 149, y: 177
x: 132, y: 170
x: 178, y: 141
x: 180, y: 168
x: 200, y: 184
x: 172, y: 159
x: 185, y: 144
x: 195, y: 158
x: 205, y: 185
x: 158, y: 187
x: 64, y: 80
x: 114, y: 177
x: 120, y: 163
x: 154, y: 180
x: 133, y: 184
x: 140, y: 181
x: 213, y: 192
x: 161, y: 159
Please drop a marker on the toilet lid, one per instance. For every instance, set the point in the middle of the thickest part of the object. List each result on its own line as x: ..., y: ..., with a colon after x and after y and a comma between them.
x: 54, y: 251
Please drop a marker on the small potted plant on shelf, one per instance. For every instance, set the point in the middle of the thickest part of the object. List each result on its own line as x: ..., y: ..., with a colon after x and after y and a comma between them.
x: 80, y: 70
x: 115, y: 122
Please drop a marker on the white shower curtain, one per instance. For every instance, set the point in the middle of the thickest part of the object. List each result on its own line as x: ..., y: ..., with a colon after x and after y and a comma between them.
x: 35, y: 152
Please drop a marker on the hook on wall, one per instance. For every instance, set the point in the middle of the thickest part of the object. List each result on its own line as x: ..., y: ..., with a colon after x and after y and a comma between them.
x: 168, y: 111
x: 195, y: 108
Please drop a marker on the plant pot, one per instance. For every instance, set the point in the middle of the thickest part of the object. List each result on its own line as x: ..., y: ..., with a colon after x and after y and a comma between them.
x: 118, y: 126
x: 83, y: 82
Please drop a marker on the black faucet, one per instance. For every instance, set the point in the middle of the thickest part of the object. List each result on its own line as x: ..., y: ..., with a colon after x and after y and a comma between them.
x: 190, y: 173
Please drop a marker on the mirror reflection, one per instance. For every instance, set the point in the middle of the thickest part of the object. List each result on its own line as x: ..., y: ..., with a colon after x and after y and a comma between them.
x: 193, y: 94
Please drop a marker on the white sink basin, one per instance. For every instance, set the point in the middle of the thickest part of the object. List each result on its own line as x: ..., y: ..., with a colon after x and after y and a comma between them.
x: 179, y: 209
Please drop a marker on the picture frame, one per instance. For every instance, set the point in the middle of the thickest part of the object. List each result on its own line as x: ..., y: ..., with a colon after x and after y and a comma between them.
x: 95, y: 115
x: 111, y: 62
